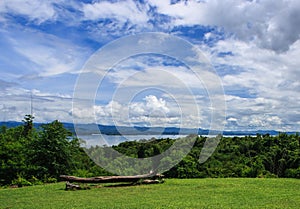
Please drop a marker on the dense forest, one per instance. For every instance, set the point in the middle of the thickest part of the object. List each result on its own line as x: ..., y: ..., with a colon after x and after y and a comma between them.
x: 31, y: 156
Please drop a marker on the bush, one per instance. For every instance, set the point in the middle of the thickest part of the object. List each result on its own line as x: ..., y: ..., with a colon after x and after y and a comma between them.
x: 49, y: 180
x: 35, y: 181
x: 293, y: 173
x: 20, y: 182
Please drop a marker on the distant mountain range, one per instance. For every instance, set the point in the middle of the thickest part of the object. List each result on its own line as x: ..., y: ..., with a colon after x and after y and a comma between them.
x: 88, y: 129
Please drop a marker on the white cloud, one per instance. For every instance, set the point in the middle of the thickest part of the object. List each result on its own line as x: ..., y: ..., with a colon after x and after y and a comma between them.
x: 261, y: 113
x: 270, y: 24
x: 151, y: 106
x: 16, y: 103
x: 263, y: 71
x: 165, y: 77
x: 121, y: 11
x: 150, y: 111
x: 261, y: 86
x: 151, y: 71
x: 232, y: 119
x: 35, y: 10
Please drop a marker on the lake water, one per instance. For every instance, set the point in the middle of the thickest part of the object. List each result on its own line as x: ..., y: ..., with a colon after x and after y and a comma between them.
x: 109, y: 140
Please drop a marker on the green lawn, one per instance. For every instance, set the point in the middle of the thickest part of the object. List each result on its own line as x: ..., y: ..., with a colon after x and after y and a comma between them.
x: 174, y: 193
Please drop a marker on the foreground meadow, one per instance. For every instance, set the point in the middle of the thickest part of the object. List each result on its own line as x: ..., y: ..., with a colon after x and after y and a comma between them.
x: 174, y: 193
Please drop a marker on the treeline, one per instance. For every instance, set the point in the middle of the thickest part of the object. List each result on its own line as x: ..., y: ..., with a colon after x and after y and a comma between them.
x: 34, y: 156
x: 248, y: 156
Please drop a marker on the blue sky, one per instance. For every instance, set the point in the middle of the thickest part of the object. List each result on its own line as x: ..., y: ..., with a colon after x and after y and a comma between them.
x: 253, y: 46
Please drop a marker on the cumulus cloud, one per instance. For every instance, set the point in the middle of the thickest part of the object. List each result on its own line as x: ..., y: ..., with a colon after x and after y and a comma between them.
x: 151, y: 111
x: 271, y: 25
x: 261, y: 86
x: 152, y: 106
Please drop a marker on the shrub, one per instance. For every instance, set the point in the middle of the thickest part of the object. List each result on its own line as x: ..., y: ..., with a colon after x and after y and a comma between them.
x: 293, y: 173
x: 20, y: 182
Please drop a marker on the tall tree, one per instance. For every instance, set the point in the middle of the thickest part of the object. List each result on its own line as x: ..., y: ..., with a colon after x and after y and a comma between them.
x: 28, y: 126
x: 53, y: 150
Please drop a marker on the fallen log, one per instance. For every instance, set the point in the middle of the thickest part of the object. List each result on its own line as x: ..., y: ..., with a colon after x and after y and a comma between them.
x: 110, y: 179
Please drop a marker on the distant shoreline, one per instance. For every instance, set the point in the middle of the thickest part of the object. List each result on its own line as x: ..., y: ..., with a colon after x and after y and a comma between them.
x: 89, y: 129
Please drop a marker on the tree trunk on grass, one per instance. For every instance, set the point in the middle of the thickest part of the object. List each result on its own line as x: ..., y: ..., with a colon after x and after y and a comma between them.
x: 111, y: 179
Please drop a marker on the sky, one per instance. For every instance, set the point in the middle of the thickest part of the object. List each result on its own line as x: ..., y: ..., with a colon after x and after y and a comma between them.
x: 253, y: 47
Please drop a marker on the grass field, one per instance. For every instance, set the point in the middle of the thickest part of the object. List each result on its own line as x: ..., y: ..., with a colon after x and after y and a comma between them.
x: 174, y: 193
